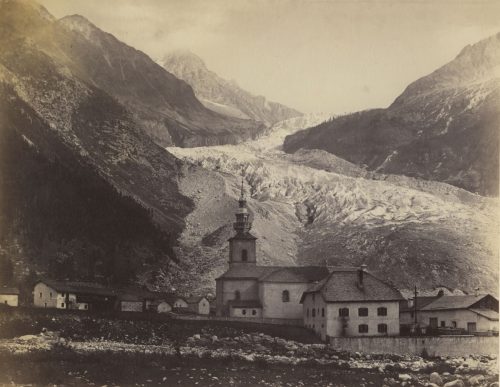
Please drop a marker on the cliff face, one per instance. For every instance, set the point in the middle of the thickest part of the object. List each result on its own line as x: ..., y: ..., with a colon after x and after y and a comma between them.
x: 443, y: 127
x: 222, y: 95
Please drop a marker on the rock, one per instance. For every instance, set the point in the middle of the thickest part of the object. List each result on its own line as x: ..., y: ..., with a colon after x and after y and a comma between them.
x: 476, y: 380
x: 436, y: 379
x: 455, y: 383
x: 432, y: 385
x: 214, y: 339
x: 197, y: 337
x: 404, y: 377
x: 494, y: 384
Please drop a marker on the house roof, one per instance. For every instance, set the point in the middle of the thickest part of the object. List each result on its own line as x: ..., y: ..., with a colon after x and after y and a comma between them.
x: 276, y: 273
x: 454, y: 302
x: 296, y: 274
x: 79, y: 287
x: 9, y: 291
x: 432, y: 292
x: 488, y: 313
x: 195, y: 299
x: 421, y: 302
x: 245, y: 304
x: 342, y: 285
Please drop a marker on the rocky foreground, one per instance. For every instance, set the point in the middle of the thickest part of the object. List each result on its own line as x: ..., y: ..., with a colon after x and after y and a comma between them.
x: 245, y: 359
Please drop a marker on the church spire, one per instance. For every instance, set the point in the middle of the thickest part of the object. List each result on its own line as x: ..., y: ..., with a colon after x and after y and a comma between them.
x: 242, y: 224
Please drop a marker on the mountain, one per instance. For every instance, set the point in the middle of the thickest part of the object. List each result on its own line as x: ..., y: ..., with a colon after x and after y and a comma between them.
x: 77, y: 169
x: 221, y: 95
x: 312, y: 207
x: 444, y: 126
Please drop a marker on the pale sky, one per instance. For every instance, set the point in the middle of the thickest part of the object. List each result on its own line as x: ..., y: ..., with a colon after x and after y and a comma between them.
x: 315, y: 56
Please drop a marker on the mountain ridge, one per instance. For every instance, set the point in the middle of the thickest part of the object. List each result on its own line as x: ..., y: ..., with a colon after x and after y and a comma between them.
x: 444, y: 126
x: 213, y: 89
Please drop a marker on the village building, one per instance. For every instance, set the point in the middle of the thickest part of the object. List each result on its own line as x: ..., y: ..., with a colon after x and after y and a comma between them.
x: 473, y: 314
x: 198, y: 305
x: 9, y: 296
x: 351, y: 302
x: 249, y: 290
x: 73, y: 295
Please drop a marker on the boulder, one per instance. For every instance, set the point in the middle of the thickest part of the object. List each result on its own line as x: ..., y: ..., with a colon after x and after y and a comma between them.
x: 455, y: 383
x: 476, y: 380
x: 436, y: 379
x: 404, y: 377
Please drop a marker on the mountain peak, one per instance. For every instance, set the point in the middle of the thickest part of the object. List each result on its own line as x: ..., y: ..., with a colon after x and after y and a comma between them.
x: 80, y: 24
x: 189, y: 59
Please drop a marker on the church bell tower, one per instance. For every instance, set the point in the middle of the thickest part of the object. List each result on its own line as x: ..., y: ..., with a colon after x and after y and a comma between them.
x: 242, y: 244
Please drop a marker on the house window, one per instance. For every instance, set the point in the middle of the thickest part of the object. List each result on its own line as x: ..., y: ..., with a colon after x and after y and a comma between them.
x: 314, y: 312
x: 62, y: 294
x: 454, y: 324
x: 363, y: 312
x: 285, y: 296
x: 5, y: 302
x: 86, y: 306
x: 382, y: 328
x: 382, y: 311
x: 443, y: 324
x: 307, y: 312
x: 244, y: 312
x: 62, y: 304
x: 50, y: 294
x: 244, y: 255
x: 254, y: 312
x: 40, y: 294
x: 237, y: 295
x: 363, y: 328
x: 344, y: 312
x: 322, y: 312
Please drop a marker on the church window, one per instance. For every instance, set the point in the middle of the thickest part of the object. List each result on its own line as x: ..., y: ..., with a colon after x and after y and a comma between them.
x: 244, y: 255
x: 237, y: 295
x: 363, y: 312
x: 244, y: 312
x: 285, y: 296
x: 344, y: 312
x: 382, y: 311
x: 314, y: 312
x: 322, y: 312
x: 254, y: 312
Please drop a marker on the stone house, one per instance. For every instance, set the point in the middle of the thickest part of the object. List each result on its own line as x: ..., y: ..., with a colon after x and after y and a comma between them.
x: 73, y: 295
x: 474, y: 314
x: 9, y: 296
x: 198, y: 305
x: 249, y: 290
x: 351, y: 302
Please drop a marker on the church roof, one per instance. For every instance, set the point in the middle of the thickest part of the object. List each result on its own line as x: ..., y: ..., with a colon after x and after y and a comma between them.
x: 277, y: 273
x: 342, y: 285
x: 297, y: 274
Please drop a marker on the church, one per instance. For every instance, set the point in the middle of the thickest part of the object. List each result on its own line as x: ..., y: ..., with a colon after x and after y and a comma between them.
x: 248, y: 290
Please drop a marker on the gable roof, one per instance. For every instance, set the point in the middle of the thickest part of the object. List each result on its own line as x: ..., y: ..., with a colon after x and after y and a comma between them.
x: 455, y: 302
x: 342, y: 285
x: 296, y: 274
x: 488, y: 313
x: 276, y: 273
x: 421, y: 302
x: 79, y: 287
x: 195, y: 299
x: 9, y: 291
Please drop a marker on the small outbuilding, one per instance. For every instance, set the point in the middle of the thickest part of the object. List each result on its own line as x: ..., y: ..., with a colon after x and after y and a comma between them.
x: 9, y: 296
x: 198, y: 305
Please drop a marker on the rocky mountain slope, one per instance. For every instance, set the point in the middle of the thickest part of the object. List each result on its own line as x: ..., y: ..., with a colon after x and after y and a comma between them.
x: 90, y: 152
x: 444, y: 126
x: 222, y: 95
x: 314, y: 208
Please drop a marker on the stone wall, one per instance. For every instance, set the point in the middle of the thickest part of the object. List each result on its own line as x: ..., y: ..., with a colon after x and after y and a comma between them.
x: 432, y: 346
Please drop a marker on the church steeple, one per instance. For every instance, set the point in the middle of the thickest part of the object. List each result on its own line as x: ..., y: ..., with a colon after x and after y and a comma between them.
x: 242, y: 224
x: 242, y: 244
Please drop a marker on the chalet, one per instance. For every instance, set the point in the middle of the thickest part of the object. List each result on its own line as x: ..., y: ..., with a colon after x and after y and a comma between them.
x: 474, y: 314
x: 198, y: 305
x: 9, y: 296
x: 351, y: 302
x: 73, y: 295
x: 248, y: 290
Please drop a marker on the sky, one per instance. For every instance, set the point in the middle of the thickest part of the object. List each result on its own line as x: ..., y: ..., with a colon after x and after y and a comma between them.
x: 316, y: 56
